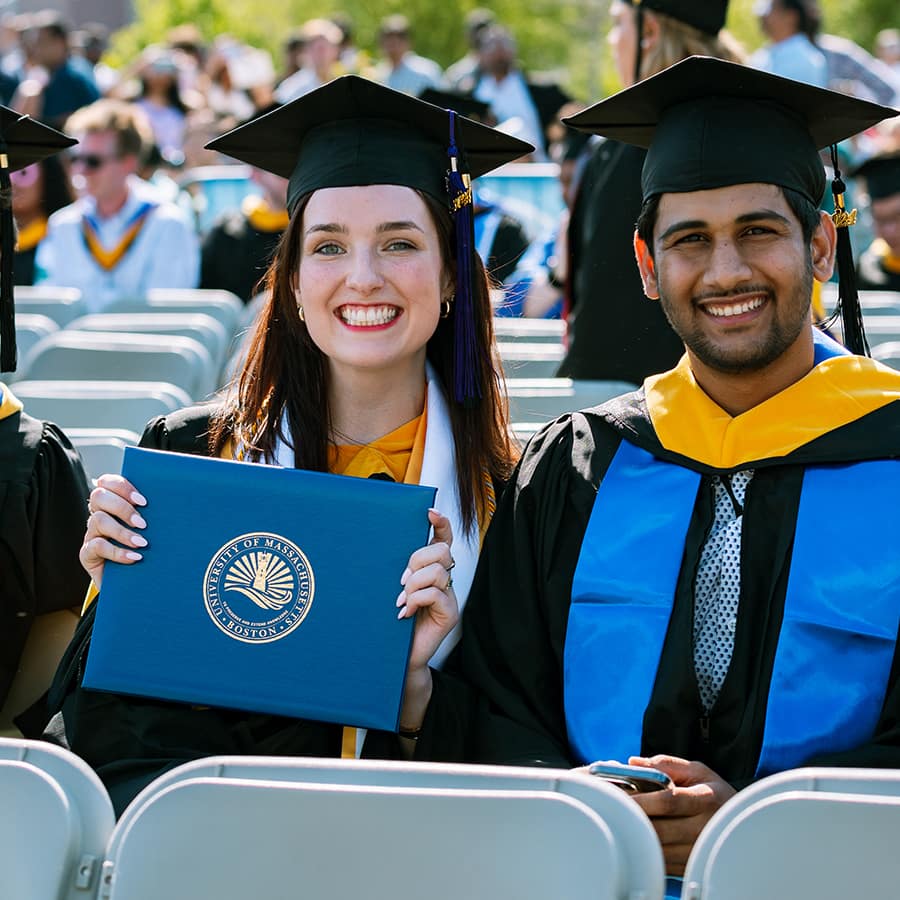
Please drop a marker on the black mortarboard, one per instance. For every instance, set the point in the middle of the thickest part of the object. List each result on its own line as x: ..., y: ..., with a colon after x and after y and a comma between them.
x: 23, y: 141
x: 705, y: 15
x: 465, y: 104
x: 882, y: 174
x: 707, y: 123
x: 352, y: 132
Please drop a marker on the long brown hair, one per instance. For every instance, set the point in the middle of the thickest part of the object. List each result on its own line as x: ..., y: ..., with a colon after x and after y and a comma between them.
x: 678, y: 41
x: 285, y: 379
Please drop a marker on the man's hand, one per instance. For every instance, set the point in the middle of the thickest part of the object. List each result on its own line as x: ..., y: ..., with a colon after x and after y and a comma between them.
x: 679, y: 813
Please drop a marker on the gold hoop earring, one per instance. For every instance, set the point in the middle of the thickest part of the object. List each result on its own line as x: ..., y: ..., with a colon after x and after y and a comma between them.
x: 447, y: 305
x: 300, y: 312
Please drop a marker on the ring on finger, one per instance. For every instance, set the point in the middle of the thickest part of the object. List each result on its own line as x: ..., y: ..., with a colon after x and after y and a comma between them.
x: 452, y: 564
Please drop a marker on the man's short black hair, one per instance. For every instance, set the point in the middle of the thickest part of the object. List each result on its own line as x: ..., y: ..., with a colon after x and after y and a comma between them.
x: 807, y: 214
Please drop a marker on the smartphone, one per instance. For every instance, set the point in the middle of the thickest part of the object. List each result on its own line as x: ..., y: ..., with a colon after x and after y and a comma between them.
x: 632, y: 779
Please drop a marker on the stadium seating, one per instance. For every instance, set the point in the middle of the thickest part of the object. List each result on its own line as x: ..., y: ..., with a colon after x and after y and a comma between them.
x: 543, y: 399
x: 530, y: 359
x: 221, y: 305
x: 508, y: 329
x: 58, y: 303
x: 203, y: 328
x: 100, y: 404
x: 113, y: 356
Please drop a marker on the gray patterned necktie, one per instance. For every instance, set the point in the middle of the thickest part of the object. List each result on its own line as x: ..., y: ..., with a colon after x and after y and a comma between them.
x: 717, y: 588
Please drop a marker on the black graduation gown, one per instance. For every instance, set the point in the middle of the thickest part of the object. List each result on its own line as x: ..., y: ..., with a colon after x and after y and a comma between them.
x: 504, y: 701
x: 43, y: 507
x: 615, y: 332
x: 871, y: 273
x: 129, y: 741
x: 234, y: 255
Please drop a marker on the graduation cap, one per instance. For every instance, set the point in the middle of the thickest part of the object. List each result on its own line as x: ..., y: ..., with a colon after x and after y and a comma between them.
x: 882, y: 174
x: 353, y: 132
x: 464, y: 104
x: 707, y: 123
x: 23, y: 141
x: 707, y: 16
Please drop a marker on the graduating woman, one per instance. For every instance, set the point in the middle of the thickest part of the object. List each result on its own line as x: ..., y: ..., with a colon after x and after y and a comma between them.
x: 373, y: 357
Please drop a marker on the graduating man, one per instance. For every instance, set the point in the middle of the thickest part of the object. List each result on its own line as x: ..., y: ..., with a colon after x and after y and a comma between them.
x: 702, y: 576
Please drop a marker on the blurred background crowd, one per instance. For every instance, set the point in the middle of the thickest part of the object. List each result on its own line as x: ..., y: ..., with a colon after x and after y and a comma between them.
x: 146, y: 97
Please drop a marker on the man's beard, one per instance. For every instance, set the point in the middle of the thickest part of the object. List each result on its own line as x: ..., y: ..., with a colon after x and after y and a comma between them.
x: 780, y: 336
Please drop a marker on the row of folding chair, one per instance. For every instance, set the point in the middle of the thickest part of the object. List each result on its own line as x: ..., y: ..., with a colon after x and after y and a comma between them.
x: 544, y: 399
x: 235, y: 827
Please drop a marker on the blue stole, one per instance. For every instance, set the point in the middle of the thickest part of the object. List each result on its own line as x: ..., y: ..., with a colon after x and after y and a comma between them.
x: 841, y: 614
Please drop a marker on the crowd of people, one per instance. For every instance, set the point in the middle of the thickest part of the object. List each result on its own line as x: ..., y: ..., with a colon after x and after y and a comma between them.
x: 614, y: 552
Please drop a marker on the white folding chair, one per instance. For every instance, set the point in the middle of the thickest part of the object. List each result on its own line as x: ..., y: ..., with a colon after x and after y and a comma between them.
x: 543, y: 399
x: 706, y: 868
x: 508, y: 329
x: 887, y: 353
x: 30, y: 328
x: 61, y: 304
x: 55, y: 821
x: 529, y: 359
x: 640, y: 857
x: 100, y: 404
x: 331, y: 841
x: 101, y: 449
x: 205, y: 329
x: 111, y: 356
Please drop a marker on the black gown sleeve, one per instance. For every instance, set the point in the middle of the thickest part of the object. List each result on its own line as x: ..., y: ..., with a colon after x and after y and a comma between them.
x: 501, y: 698
x: 42, y: 519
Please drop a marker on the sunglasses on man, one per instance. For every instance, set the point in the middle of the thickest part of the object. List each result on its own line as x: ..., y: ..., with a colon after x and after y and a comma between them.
x: 90, y: 161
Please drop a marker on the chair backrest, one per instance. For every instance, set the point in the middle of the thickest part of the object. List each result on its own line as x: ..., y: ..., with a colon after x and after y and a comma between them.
x: 637, y: 846
x: 221, y: 305
x: 100, y: 404
x: 509, y: 329
x: 205, y: 329
x: 537, y: 399
x: 240, y: 837
x: 61, y: 304
x: 810, y: 780
x: 880, y: 329
x: 529, y: 359
x: 55, y: 821
x: 30, y: 328
x: 888, y: 353
x: 113, y: 356
x: 102, y: 449
x: 829, y: 846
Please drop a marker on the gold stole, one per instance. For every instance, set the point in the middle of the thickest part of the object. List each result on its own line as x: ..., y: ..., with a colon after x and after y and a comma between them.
x: 31, y: 235
x: 109, y: 259
x: 264, y: 217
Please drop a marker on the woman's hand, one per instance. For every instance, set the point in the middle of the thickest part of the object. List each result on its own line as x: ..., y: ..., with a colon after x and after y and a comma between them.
x: 428, y: 595
x: 113, y: 514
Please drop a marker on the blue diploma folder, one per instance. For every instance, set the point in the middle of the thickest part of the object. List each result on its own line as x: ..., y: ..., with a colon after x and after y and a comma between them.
x: 265, y: 589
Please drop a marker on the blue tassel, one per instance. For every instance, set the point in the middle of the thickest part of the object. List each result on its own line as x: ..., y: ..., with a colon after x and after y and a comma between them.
x: 465, y: 343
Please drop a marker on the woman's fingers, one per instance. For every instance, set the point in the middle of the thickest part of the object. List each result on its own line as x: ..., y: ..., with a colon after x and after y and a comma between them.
x: 109, y: 534
x: 443, y: 533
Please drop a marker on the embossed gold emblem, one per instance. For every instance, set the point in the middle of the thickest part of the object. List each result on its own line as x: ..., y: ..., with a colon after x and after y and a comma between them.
x: 258, y: 587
